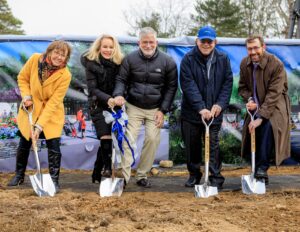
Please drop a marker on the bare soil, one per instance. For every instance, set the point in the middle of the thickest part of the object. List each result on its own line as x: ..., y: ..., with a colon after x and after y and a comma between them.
x: 78, y: 206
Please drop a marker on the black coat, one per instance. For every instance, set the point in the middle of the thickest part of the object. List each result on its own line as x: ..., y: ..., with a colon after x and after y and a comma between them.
x: 199, y: 92
x: 100, y: 78
x: 149, y: 82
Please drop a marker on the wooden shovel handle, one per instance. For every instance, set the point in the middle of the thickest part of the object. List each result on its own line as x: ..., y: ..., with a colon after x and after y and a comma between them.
x: 253, y: 141
x: 206, y: 149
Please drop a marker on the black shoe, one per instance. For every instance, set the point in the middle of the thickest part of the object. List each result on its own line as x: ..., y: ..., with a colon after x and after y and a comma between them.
x: 266, y: 180
x: 16, y: 180
x: 144, y: 183
x: 216, y: 180
x: 192, y: 181
x: 262, y: 175
x: 96, y: 179
x: 96, y: 176
x: 219, y: 186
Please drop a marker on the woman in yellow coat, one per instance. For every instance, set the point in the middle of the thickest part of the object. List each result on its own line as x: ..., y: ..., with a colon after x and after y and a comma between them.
x: 43, y: 83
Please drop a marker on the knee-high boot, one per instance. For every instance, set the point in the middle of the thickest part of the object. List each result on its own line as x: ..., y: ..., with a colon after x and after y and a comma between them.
x: 106, y: 150
x: 96, y: 176
x: 54, y: 160
x: 21, y: 163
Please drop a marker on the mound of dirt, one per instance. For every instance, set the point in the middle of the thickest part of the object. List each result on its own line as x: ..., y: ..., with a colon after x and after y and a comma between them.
x: 167, y: 206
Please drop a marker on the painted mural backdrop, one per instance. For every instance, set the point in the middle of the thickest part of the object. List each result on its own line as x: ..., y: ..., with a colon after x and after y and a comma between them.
x: 14, y: 53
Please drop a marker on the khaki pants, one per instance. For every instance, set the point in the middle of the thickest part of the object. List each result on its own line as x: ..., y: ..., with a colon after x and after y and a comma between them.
x: 136, y: 116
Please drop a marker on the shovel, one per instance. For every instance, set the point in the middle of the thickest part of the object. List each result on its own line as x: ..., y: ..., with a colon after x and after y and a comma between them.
x: 113, y: 186
x: 249, y: 184
x: 205, y: 191
x: 42, y: 183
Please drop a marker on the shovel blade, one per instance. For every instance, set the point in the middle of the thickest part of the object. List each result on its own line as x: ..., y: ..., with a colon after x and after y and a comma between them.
x: 205, y: 191
x: 251, y: 185
x: 111, y: 187
x: 42, y: 185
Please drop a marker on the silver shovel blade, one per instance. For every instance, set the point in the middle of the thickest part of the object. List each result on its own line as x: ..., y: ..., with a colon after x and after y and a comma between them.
x: 111, y: 187
x: 42, y: 187
x: 251, y: 185
x: 205, y: 191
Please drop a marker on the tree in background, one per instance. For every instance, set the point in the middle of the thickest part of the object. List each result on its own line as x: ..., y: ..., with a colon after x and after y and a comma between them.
x: 240, y: 18
x: 230, y: 18
x: 170, y: 18
x: 284, y: 10
x: 8, y: 23
x: 149, y: 21
x: 224, y: 15
x: 266, y: 17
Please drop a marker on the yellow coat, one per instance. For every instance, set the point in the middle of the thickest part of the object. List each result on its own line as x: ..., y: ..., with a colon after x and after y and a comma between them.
x: 47, y: 99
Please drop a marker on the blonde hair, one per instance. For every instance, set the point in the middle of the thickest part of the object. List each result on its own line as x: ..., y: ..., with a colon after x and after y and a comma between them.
x: 93, y: 53
x: 59, y: 45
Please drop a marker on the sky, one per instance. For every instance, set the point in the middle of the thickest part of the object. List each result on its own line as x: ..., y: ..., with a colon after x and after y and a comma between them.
x: 72, y: 17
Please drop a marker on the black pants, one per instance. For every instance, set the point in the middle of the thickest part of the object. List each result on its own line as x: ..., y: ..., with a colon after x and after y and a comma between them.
x: 52, y: 144
x: 193, y: 137
x: 264, y: 145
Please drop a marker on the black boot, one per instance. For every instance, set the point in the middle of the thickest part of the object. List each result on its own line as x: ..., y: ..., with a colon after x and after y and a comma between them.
x: 96, y: 176
x: 21, y: 163
x: 54, y: 159
x: 106, y: 151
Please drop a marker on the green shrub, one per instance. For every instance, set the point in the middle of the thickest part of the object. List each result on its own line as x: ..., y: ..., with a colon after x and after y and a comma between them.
x: 230, y: 149
x: 176, y: 151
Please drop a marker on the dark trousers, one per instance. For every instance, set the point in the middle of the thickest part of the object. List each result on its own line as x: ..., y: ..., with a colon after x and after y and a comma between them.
x: 193, y: 137
x: 264, y: 145
x: 54, y: 156
x: 52, y: 144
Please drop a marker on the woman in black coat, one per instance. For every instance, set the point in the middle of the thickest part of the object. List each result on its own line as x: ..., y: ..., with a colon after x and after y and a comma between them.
x: 101, y: 64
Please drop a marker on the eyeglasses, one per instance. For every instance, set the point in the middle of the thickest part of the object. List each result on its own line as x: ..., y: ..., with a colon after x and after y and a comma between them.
x: 57, y: 53
x: 208, y: 41
x: 253, y: 48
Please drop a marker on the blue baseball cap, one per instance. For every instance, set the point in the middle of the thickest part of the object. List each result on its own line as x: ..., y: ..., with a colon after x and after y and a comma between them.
x: 207, y: 32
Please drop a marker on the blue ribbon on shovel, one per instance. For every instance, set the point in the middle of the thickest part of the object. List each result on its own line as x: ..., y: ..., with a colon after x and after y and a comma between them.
x: 118, y: 130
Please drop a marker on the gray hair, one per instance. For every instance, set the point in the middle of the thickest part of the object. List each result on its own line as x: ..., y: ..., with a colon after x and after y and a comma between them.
x: 147, y: 30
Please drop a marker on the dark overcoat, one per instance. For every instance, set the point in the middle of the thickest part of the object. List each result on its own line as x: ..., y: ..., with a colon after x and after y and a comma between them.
x: 272, y: 91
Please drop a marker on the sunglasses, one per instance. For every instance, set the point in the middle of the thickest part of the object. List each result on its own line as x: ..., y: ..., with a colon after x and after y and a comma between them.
x: 208, y: 41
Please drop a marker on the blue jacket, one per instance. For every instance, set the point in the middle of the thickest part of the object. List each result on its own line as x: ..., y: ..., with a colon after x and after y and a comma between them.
x: 199, y: 92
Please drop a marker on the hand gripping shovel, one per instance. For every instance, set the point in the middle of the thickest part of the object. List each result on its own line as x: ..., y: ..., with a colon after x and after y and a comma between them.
x: 42, y: 183
x: 205, y: 191
x: 113, y: 186
x: 249, y: 184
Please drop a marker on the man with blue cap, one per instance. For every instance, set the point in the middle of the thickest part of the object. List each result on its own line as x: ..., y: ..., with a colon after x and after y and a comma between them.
x: 206, y: 83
